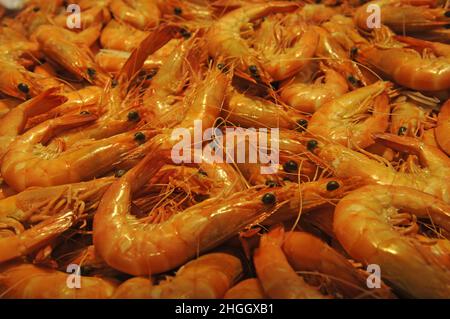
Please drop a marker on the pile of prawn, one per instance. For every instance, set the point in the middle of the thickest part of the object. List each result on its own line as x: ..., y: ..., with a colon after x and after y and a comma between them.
x: 93, y: 205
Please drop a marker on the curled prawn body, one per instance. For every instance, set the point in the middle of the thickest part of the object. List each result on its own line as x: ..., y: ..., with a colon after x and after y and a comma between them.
x: 160, y: 148
x: 152, y: 249
x: 204, y: 103
x: 379, y: 233
x: 410, y: 67
x: 309, y: 97
x: 118, y: 112
x: 26, y: 281
x: 207, y: 277
x: 112, y: 122
x: 224, y: 36
x: 345, y: 120
x: 283, y: 61
x: 443, y: 128
x: 142, y: 14
x: 246, y: 289
x: 278, y: 279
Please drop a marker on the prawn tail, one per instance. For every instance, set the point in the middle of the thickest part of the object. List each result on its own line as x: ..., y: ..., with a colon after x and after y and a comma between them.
x: 153, y: 42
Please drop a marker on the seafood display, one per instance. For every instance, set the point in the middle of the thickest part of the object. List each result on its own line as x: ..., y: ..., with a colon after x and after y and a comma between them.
x: 225, y: 149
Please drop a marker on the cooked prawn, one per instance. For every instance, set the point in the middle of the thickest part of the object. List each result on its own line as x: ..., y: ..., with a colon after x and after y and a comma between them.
x: 335, y: 56
x: 28, y: 163
x: 142, y: 14
x: 411, y: 67
x: 13, y: 123
x: 246, y: 289
x: 120, y: 36
x: 57, y: 44
x: 30, y: 240
x: 37, y: 204
x: 383, y: 231
x: 276, y: 276
x: 307, y: 253
x: 224, y: 37
x: 284, y: 58
x: 83, y: 100
x: 161, y: 247
x: 409, y: 118
x: 18, y: 82
x: 309, y: 97
x: 163, y: 95
x: 431, y: 178
x: 345, y: 120
x: 28, y: 281
x: 247, y: 111
x: 207, y: 277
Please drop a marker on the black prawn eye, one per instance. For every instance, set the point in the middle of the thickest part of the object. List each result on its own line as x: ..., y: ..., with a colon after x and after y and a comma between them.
x: 269, y: 199
x: 139, y: 137
x: 133, y: 116
x: 253, y: 69
x: 312, y: 145
x: 177, y: 11
x: 24, y: 88
x: 91, y: 72
x: 290, y: 167
x: 332, y: 186
x: 303, y: 125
